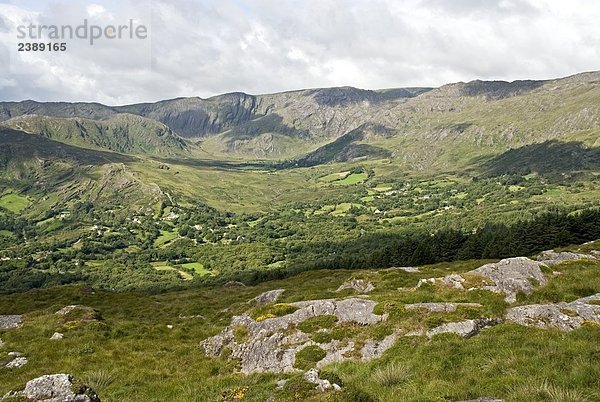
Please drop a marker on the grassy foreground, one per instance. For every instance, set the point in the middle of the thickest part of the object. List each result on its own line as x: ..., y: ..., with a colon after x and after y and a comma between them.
x: 131, y: 354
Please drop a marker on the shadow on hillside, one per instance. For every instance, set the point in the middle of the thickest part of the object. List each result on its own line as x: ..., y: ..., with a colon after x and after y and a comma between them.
x: 17, y: 145
x: 548, y: 158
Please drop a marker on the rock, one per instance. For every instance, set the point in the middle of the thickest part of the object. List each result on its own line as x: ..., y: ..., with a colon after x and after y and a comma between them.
x: 15, y: 354
x: 508, y: 276
x: 281, y: 384
x: 466, y: 328
x: 312, y: 376
x: 76, y: 314
x: 551, y: 257
x: 360, y: 285
x: 10, y: 321
x: 17, y: 362
x: 439, y: 307
x: 55, y: 388
x: 56, y: 336
x: 169, y: 326
x: 562, y: 316
x: 269, y: 297
x: 1, y: 343
x: 412, y: 270
x: 484, y: 400
x: 273, y: 342
x: 373, y: 349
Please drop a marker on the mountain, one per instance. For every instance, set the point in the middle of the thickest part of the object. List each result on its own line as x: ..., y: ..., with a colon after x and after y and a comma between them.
x: 426, y: 128
x: 123, y: 133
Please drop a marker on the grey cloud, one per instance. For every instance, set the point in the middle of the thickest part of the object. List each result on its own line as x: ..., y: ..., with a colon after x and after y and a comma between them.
x: 202, y: 48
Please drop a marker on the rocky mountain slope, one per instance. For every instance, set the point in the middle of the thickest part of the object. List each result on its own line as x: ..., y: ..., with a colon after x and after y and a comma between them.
x: 424, y: 127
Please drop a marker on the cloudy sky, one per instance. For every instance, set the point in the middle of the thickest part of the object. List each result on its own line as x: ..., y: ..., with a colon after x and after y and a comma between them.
x: 206, y: 47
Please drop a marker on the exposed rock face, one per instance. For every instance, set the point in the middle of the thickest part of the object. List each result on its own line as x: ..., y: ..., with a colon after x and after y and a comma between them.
x: 360, y: 285
x: 17, y: 361
x: 562, y: 316
x: 439, y: 307
x: 513, y: 275
x: 551, y: 257
x: 373, y: 349
x: 269, y: 297
x: 10, y: 321
x: 411, y: 270
x: 508, y: 276
x: 312, y: 376
x: 55, y: 388
x: 466, y: 328
x: 272, y: 344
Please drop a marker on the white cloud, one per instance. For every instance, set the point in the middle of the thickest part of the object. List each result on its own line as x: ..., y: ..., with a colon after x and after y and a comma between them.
x: 206, y: 47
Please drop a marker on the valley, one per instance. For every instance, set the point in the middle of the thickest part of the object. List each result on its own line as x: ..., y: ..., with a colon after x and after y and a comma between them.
x: 167, y: 221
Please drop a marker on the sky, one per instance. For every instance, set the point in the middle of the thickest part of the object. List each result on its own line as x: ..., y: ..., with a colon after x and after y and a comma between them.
x: 208, y: 47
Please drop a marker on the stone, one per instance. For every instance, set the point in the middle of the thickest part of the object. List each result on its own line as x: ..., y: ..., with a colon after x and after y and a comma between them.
x: 359, y: 285
x: 466, y: 329
x: 1, y: 343
x: 55, y: 388
x: 56, y: 336
x: 484, y: 400
x: 272, y: 343
x: 373, y: 349
x: 439, y: 307
x: 269, y: 297
x: 551, y: 257
x: 312, y: 376
x: 233, y: 283
x: 17, y: 362
x: 281, y: 384
x: 412, y: 270
x: 10, y: 321
x: 508, y: 276
x: 562, y: 316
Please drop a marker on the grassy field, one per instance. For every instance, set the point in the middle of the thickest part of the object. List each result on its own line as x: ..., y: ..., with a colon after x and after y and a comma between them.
x: 132, y: 354
x: 165, y: 237
x: 14, y: 202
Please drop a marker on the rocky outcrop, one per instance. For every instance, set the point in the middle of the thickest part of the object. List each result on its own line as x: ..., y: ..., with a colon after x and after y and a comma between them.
x: 439, y: 307
x: 551, y: 257
x: 373, y: 348
x: 359, y: 285
x: 10, y: 321
x: 508, y: 276
x: 272, y: 344
x: 466, y: 328
x: 312, y: 376
x: 269, y: 297
x: 17, y: 360
x: 54, y: 388
x: 561, y: 316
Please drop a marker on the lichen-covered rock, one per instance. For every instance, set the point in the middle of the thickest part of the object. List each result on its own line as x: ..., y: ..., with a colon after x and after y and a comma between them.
x: 312, y: 376
x: 10, y: 321
x: 466, y: 328
x: 561, y: 316
x: 551, y: 257
x: 359, y: 285
x: 55, y: 388
x: 16, y: 362
x: 272, y: 344
x: 373, y: 349
x: 439, y: 307
x: 270, y: 296
x: 508, y: 276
